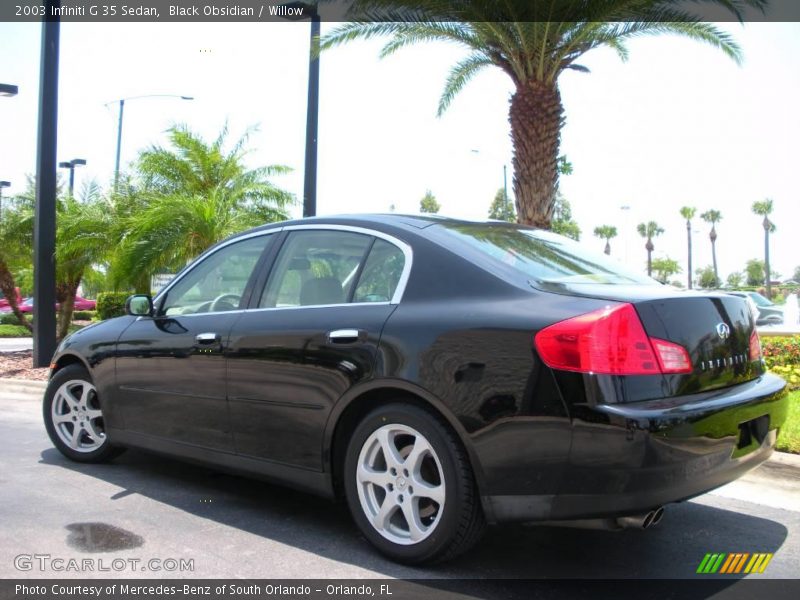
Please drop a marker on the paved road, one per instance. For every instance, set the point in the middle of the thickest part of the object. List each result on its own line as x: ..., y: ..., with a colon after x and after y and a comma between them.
x: 147, y: 507
x: 15, y: 344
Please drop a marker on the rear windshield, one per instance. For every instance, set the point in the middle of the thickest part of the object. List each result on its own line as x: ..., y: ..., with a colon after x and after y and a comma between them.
x: 542, y: 256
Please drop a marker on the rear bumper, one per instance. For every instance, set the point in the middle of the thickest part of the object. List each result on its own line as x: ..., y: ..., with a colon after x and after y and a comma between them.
x: 630, y: 458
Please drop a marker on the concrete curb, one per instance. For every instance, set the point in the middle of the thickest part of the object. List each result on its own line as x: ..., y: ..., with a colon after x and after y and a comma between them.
x: 21, y: 386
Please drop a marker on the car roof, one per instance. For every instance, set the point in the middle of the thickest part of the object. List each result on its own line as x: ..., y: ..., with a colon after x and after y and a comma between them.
x: 401, y: 221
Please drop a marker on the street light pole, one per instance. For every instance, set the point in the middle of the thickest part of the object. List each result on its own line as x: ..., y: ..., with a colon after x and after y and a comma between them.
x: 312, y: 121
x: 119, y: 125
x: 6, y: 89
x: 312, y: 107
x: 3, y: 184
x: 625, y: 208
x: 71, y: 166
x: 44, y: 228
x: 119, y: 142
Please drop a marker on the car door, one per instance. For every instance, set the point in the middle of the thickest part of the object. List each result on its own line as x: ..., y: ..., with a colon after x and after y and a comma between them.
x: 311, y: 336
x: 171, y: 367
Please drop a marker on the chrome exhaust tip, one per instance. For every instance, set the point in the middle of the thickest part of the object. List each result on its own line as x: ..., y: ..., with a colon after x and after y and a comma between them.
x: 641, y: 521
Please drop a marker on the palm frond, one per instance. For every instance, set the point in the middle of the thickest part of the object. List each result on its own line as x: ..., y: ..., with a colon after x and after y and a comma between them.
x: 459, y: 76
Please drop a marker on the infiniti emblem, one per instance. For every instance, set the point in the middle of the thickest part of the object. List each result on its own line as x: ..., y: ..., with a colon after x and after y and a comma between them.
x: 723, y: 331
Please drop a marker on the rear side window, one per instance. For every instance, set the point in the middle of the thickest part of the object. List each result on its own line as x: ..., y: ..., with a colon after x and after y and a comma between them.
x: 542, y: 256
x: 381, y: 273
x: 315, y: 268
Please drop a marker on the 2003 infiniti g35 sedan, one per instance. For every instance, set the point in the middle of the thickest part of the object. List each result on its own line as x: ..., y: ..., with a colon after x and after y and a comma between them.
x: 437, y: 374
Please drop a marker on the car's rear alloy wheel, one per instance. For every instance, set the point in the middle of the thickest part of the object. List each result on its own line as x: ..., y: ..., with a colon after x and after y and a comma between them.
x: 73, y: 416
x: 400, y: 484
x: 410, y: 486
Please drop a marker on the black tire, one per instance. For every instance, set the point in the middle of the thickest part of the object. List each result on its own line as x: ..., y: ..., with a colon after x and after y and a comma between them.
x: 452, y: 527
x: 76, y: 378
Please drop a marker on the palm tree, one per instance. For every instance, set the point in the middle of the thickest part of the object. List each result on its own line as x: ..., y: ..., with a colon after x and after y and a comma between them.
x: 16, y: 248
x: 82, y: 240
x: 764, y: 208
x: 606, y: 232
x: 190, y: 196
x: 713, y: 216
x: 687, y: 212
x: 649, y: 230
x: 533, y: 43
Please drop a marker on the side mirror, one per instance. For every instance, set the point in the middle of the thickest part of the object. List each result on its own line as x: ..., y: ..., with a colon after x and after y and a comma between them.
x: 139, y: 305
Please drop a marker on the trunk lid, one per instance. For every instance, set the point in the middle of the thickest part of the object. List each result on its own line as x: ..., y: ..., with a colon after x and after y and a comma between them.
x: 714, y: 328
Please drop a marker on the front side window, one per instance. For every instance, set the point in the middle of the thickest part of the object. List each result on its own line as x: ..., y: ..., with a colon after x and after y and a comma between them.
x: 315, y: 268
x: 218, y: 282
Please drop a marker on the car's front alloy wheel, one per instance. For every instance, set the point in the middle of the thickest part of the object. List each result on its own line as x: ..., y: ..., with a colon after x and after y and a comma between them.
x: 410, y: 486
x: 73, y: 416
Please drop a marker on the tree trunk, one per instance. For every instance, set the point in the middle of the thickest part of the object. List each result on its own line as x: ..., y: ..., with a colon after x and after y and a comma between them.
x: 65, y: 295
x: 536, y: 117
x: 768, y: 275
x: 689, y: 239
x: 713, y: 236
x: 608, y: 247
x: 649, y: 247
x: 9, y: 289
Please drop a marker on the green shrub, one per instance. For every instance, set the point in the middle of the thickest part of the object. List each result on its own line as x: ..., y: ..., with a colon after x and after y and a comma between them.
x: 111, y: 304
x: 791, y: 374
x: 13, y: 331
x: 8, y: 319
x: 781, y: 351
x: 782, y: 355
x: 84, y: 315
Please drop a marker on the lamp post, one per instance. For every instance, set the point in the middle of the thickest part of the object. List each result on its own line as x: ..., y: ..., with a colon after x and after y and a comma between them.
x: 44, y: 227
x: 6, y: 89
x: 71, y: 166
x: 119, y: 124
x: 626, y: 209
x: 3, y: 184
x: 312, y: 107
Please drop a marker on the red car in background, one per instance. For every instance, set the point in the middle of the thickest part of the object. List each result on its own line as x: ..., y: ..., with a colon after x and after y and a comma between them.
x: 26, y: 305
x: 4, y: 305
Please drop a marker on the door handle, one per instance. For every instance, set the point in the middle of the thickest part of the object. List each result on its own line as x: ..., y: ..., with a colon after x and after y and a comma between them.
x: 344, y: 336
x: 206, y: 338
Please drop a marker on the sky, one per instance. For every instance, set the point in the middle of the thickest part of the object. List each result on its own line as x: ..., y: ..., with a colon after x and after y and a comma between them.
x: 678, y: 124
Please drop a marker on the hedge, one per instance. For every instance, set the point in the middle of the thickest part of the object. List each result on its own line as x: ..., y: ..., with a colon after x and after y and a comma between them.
x: 84, y: 315
x: 782, y: 355
x: 111, y: 304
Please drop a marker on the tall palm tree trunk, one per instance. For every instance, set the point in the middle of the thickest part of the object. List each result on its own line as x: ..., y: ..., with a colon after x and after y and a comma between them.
x: 9, y: 291
x: 689, y: 241
x: 767, y: 225
x: 536, y: 117
x: 649, y: 247
x: 713, y: 236
x: 608, y: 247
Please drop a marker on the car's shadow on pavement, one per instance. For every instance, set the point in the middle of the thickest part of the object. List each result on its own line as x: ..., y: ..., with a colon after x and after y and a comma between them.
x: 673, y: 549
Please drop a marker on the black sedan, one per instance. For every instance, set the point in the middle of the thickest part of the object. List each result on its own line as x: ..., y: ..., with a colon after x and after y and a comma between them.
x: 436, y: 374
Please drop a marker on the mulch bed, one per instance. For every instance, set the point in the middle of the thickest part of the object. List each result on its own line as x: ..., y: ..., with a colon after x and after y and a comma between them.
x: 19, y: 365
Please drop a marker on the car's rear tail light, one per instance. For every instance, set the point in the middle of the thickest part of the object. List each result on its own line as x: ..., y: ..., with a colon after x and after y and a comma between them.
x: 755, y: 346
x: 609, y: 341
x: 672, y: 358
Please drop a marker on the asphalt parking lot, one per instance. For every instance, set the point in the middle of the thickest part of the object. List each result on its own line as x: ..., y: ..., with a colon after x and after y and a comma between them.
x: 144, y: 507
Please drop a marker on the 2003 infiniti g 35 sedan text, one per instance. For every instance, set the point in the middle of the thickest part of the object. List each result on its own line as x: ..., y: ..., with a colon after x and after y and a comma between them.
x: 437, y: 374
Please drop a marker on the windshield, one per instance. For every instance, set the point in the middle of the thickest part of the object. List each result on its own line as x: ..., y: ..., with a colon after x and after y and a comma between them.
x: 543, y: 256
x: 759, y: 299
